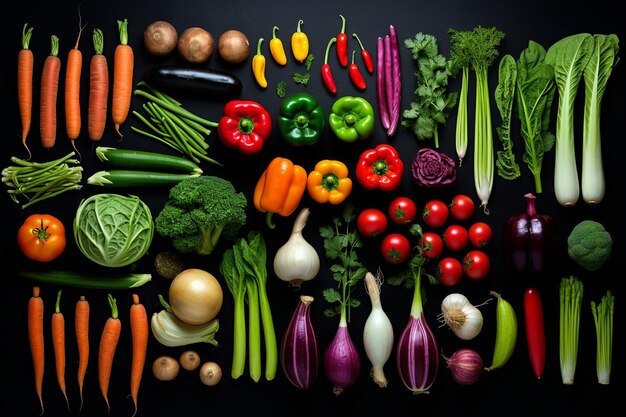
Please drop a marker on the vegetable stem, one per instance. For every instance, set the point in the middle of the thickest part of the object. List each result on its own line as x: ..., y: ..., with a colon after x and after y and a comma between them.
x: 603, y: 320
x: 570, y: 298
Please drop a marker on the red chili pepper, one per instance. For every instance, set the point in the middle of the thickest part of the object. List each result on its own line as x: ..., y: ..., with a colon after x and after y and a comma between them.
x: 367, y: 57
x: 327, y: 75
x: 355, y: 74
x: 535, y: 333
x: 342, y: 44
x: 245, y: 126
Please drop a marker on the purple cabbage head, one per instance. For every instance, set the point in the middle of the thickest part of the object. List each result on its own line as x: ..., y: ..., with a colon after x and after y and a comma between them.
x: 432, y: 168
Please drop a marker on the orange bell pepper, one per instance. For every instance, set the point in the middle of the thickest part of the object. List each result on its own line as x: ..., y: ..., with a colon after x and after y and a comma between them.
x: 279, y: 189
x: 329, y: 182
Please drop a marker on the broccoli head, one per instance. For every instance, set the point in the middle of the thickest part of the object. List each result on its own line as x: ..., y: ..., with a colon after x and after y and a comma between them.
x: 589, y: 244
x: 199, y: 211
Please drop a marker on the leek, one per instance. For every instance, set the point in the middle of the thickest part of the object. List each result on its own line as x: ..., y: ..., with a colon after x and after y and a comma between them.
x: 570, y: 299
x: 596, y: 75
x: 603, y: 319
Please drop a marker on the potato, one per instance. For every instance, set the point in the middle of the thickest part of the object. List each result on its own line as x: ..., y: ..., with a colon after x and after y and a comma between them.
x: 195, y: 45
x: 160, y: 38
x: 233, y: 46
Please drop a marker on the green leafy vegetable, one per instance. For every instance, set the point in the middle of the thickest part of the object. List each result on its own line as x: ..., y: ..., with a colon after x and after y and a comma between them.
x: 281, y: 89
x: 302, y: 78
x: 570, y: 300
x: 603, y: 320
x: 596, y: 75
x: 113, y: 230
x: 568, y: 57
x: 535, y: 93
x: 506, y: 165
x: 433, y: 104
x: 308, y: 62
x: 340, y: 244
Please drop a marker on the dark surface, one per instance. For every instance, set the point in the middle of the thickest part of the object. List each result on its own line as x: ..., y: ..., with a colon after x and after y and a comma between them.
x: 512, y: 388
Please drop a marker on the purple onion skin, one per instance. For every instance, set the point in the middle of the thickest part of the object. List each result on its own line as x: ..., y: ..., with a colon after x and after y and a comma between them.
x: 417, y: 355
x: 298, y: 350
x: 342, y: 363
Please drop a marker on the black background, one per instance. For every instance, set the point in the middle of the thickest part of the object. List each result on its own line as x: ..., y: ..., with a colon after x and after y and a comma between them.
x: 513, y: 387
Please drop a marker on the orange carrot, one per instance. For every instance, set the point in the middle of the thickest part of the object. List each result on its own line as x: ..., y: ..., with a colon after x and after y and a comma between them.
x: 139, y: 332
x: 58, y: 344
x: 108, y: 345
x: 72, y: 90
x: 25, y: 62
x: 82, y: 339
x: 36, y: 339
x: 123, y: 63
x: 98, y: 88
x: 48, y: 96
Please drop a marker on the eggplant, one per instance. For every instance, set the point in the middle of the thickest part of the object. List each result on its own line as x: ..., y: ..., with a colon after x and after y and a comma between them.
x: 528, y: 239
x: 194, y: 80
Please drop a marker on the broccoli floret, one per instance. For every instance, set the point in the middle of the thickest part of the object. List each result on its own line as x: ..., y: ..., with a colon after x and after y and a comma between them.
x: 589, y: 244
x: 199, y: 211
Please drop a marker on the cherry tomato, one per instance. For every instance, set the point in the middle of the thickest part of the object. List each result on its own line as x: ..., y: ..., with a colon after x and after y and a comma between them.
x: 41, y: 237
x: 435, y: 213
x: 431, y: 244
x: 371, y: 222
x: 476, y: 264
x: 402, y: 210
x: 395, y: 248
x: 455, y: 237
x: 462, y: 207
x: 480, y: 234
x: 449, y: 271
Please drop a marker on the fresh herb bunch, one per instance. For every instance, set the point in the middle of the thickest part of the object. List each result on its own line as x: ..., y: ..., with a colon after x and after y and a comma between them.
x: 433, y: 103
x: 304, y: 79
x: 416, y: 265
x: 341, y: 241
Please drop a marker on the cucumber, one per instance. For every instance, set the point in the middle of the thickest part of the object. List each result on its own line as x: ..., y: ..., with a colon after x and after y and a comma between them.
x: 200, y: 80
x: 145, y: 160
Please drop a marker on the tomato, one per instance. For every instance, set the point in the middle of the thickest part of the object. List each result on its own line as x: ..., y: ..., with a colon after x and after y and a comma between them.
x: 431, y: 244
x: 449, y: 271
x: 476, y: 264
x: 455, y: 237
x: 462, y: 207
x: 371, y: 222
x: 402, y: 210
x: 41, y: 237
x: 395, y: 248
x: 435, y: 213
x: 480, y: 234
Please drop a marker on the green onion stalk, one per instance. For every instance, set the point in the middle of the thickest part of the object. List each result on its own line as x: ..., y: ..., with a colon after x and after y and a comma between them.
x: 603, y: 319
x: 570, y: 299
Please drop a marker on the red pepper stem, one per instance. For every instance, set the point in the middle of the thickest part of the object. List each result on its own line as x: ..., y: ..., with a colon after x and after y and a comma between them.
x: 355, y: 36
x: 343, y: 24
x: 330, y: 42
x: 353, y: 52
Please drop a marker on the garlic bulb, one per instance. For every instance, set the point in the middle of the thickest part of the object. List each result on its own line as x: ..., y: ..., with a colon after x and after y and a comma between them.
x: 297, y: 260
x: 464, y: 319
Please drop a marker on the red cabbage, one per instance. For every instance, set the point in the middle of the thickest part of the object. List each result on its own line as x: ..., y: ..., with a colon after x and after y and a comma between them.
x: 432, y: 168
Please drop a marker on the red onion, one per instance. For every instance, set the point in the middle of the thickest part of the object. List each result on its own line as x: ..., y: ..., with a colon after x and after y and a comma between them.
x: 298, y: 350
x: 466, y: 366
x: 342, y: 363
x: 417, y: 355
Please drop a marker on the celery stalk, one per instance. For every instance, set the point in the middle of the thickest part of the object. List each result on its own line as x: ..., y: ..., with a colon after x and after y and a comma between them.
x: 603, y: 319
x: 570, y: 298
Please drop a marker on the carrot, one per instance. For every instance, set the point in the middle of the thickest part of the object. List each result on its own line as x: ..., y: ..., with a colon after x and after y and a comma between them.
x: 123, y: 63
x: 139, y: 332
x: 72, y: 91
x: 108, y: 345
x: 25, y: 62
x: 48, y: 95
x: 36, y: 339
x: 98, y: 88
x: 82, y: 338
x: 58, y: 344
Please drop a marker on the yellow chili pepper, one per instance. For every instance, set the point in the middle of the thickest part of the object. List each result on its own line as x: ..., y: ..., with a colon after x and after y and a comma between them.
x: 300, y: 44
x: 279, y: 189
x: 277, y: 49
x: 258, y: 66
x: 329, y: 182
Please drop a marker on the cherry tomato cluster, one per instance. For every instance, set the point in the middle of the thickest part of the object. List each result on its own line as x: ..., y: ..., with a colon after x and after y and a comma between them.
x: 455, y: 238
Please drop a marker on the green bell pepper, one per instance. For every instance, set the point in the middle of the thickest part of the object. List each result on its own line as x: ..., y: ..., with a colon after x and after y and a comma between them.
x: 352, y: 118
x: 301, y: 120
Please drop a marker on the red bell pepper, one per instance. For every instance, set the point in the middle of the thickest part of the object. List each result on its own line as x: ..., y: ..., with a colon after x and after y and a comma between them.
x: 244, y: 126
x: 380, y: 168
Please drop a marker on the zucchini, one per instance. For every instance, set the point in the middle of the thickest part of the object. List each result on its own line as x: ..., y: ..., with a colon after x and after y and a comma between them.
x: 201, y: 80
x: 90, y: 280
x: 136, y: 178
x: 134, y: 159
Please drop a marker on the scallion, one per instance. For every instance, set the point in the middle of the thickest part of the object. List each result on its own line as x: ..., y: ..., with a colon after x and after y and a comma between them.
x: 570, y: 299
x: 603, y: 319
